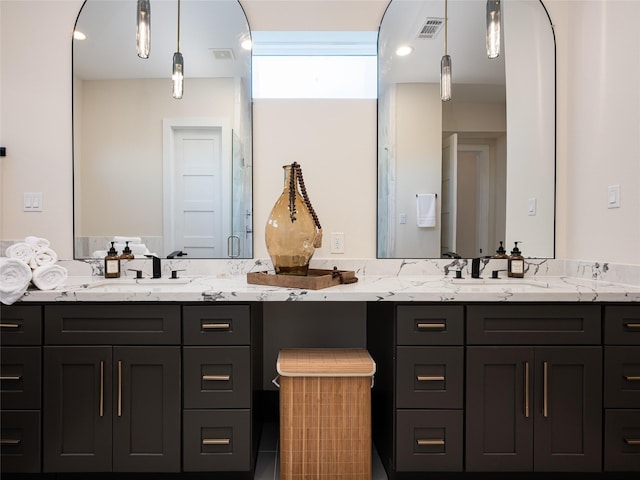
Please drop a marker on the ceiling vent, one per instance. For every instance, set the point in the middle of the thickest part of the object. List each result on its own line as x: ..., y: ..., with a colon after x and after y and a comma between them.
x: 223, y: 53
x: 431, y: 27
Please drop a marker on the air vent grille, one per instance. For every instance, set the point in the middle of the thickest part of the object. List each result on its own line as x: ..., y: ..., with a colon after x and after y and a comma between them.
x: 431, y: 27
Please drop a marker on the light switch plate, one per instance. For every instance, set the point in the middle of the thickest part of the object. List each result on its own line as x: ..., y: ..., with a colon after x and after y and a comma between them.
x: 32, y: 202
x: 403, y: 218
x: 532, y: 208
x: 613, y: 196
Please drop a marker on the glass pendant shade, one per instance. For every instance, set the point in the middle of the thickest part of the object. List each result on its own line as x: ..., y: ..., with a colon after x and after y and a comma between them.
x: 445, y: 78
x: 143, y: 30
x: 178, y: 75
x: 493, y: 28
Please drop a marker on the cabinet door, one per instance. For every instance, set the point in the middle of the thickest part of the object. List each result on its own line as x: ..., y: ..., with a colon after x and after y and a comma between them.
x: 499, y: 424
x: 568, y: 404
x: 146, y: 416
x: 77, y: 409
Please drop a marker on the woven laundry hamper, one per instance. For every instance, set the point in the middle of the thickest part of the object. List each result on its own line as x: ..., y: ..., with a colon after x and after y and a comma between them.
x: 325, y: 414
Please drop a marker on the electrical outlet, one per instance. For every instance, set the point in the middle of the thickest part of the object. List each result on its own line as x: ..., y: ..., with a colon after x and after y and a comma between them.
x: 32, y: 202
x: 337, y: 242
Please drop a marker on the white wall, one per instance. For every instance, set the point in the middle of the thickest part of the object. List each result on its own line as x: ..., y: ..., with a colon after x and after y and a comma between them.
x: 598, y: 126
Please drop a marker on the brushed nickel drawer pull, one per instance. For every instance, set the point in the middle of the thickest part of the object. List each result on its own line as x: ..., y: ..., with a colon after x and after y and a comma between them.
x: 632, y: 325
x: 101, y: 388
x: 216, y: 441
x: 216, y: 326
x: 9, y: 441
x: 632, y: 378
x: 11, y: 377
x: 545, y: 389
x: 431, y: 326
x: 119, y: 388
x: 216, y: 378
x: 632, y: 441
x: 9, y: 325
x: 430, y: 378
x: 435, y: 441
x: 526, y: 389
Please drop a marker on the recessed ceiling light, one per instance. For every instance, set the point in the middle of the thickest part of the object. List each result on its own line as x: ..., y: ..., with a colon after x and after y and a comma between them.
x: 404, y: 50
x: 78, y: 35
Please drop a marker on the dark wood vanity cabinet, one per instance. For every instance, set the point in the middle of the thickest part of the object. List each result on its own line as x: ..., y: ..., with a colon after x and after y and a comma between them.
x: 532, y: 405
x: 111, y: 388
x: 622, y: 388
x: 20, y: 393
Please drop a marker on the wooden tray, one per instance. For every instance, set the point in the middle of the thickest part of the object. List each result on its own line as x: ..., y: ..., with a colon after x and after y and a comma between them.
x: 314, y: 280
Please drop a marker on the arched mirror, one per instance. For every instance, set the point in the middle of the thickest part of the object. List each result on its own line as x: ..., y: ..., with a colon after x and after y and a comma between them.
x: 166, y: 174
x: 458, y: 177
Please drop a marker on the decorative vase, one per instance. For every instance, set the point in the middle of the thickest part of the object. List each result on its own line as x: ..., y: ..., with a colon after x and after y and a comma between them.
x: 293, y: 232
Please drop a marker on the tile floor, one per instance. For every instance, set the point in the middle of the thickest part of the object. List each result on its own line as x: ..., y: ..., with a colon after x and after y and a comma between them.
x: 267, y: 467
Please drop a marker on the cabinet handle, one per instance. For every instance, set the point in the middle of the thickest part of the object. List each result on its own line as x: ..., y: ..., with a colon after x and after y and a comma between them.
x: 545, y: 392
x: 11, y: 377
x: 216, y: 326
x: 102, y: 388
x: 526, y: 389
x: 632, y: 441
x: 631, y: 378
x: 432, y: 378
x: 435, y: 441
x: 9, y: 325
x: 119, y: 388
x: 9, y: 441
x: 431, y: 326
x: 216, y: 378
x: 632, y: 325
x: 216, y: 441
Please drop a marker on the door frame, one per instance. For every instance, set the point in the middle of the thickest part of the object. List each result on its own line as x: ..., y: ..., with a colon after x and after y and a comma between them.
x: 169, y: 128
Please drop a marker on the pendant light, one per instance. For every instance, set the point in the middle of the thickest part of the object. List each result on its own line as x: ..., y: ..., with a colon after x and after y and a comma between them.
x: 177, y: 76
x: 143, y: 30
x: 445, y: 64
x: 493, y: 28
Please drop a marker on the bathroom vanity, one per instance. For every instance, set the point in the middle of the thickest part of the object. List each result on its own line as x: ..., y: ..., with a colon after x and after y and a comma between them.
x: 141, y: 377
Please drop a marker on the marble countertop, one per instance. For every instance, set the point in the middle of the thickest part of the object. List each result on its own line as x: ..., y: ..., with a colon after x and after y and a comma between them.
x: 398, y: 288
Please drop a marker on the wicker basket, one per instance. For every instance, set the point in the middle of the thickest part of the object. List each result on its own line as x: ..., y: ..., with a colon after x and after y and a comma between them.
x: 325, y: 414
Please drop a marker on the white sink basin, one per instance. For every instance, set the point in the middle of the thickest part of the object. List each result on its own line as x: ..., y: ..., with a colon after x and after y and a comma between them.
x: 502, y: 282
x: 133, y: 283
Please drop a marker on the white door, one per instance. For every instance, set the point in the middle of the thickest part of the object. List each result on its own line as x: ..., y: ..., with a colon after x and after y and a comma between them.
x: 448, y: 212
x: 197, y: 219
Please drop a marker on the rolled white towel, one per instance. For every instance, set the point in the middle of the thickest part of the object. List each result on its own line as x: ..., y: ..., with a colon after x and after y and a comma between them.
x: 131, y: 240
x: 48, y: 277
x: 45, y: 256
x: 21, y: 251
x: 15, y: 276
x: 37, y: 243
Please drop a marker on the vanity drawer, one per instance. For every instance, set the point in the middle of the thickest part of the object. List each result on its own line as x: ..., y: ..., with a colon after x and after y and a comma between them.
x: 429, y: 377
x: 622, y: 325
x: 20, y: 439
x: 533, y: 324
x: 20, y: 375
x: 217, y: 377
x: 217, y: 325
x: 622, y: 440
x: 21, y: 325
x: 216, y: 440
x: 430, y: 325
x: 99, y: 324
x: 429, y: 440
x: 622, y: 377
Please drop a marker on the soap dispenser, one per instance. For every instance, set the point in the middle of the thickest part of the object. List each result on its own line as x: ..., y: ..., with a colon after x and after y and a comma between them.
x: 126, y: 253
x: 515, y: 264
x: 501, y: 252
x: 112, y: 263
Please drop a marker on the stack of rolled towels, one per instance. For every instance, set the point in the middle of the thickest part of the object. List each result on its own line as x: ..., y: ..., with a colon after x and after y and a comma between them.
x: 30, y: 261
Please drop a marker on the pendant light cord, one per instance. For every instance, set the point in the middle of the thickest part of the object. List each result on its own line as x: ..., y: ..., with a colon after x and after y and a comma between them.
x: 178, y: 25
x: 446, y: 23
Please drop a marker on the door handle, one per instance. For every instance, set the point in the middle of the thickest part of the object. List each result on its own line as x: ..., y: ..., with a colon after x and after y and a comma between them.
x: 102, y: 388
x: 216, y: 378
x: 119, y: 388
x: 434, y: 441
x: 430, y: 378
x: 216, y: 441
x: 216, y: 326
x: 526, y: 389
x: 545, y: 390
x: 431, y: 326
x: 11, y: 377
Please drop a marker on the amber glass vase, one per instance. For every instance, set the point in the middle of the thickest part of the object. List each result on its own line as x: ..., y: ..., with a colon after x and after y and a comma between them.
x: 292, y: 232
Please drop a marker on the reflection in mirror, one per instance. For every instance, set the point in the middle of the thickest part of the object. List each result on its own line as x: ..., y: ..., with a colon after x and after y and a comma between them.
x: 169, y: 175
x: 485, y: 159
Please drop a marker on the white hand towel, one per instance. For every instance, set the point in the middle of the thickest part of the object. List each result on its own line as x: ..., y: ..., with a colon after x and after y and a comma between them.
x: 136, y: 249
x: 132, y: 240
x: 37, y: 243
x: 426, y: 209
x: 21, y: 251
x: 44, y: 256
x: 48, y: 277
x: 15, y: 276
